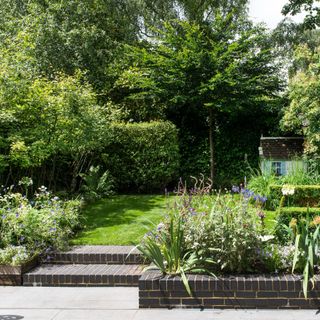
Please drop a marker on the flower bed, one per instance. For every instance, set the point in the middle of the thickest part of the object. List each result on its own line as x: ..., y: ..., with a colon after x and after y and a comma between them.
x: 250, y: 291
x: 12, y: 275
x: 222, y: 234
x: 31, y: 226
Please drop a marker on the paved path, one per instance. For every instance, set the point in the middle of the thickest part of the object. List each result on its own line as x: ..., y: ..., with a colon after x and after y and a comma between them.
x: 57, y: 303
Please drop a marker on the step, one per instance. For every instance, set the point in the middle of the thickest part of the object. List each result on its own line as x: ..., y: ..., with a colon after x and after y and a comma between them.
x: 84, y: 275
x: 98, y: 255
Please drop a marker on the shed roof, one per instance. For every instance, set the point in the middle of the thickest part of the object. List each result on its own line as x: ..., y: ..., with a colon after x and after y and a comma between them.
x: 281, y: 148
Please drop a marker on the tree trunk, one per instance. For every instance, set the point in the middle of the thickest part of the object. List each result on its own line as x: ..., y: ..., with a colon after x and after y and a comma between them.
x: 212, y: 164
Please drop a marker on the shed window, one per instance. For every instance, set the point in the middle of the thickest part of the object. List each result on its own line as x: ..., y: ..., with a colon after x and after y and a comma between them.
x: 278, y: 168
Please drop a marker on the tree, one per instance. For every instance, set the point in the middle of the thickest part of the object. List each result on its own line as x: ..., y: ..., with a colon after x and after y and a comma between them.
x: 303, y: 114
x: 44, y: 120
x: 212, y: 68
x: 155, y: 12
x: 312, y: 7
x: 70, y: 35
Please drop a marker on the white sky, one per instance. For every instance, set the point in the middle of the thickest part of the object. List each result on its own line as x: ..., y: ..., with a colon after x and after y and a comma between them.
x: 269, y: 11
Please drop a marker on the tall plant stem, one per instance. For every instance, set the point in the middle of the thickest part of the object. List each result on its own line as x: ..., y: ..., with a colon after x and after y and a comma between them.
x: 211, y: 123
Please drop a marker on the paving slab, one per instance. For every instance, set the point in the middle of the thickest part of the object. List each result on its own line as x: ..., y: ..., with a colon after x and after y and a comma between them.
x: 56, y: 303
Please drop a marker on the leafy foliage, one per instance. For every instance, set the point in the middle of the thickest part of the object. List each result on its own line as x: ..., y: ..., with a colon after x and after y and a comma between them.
x: 306, y: 255
x: 142, y: 156
x: 302, y: 116
x: 312, y: 19
x: 166, y: 250
x: 200, y: 69
x: 96, y: 185
x: 29, y: 227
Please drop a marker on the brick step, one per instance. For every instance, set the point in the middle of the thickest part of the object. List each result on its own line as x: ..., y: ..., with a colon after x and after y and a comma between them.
x: 84, y: 275
x: 98, y: 255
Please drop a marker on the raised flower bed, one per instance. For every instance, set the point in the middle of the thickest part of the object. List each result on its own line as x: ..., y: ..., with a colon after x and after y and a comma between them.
x: 12, y: 275
x: 225, y: 234
x: 250, y: 291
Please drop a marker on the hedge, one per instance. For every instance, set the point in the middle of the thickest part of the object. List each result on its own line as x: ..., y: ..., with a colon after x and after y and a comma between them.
x: 286, y: 214
x: 304, y: 196
x: 142, y: 157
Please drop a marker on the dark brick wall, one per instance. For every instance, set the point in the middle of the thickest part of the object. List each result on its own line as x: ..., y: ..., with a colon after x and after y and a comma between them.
x: 254, y: 291
x: 12, y: 275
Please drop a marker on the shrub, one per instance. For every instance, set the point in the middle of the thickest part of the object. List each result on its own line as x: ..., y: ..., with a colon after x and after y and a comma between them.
x: 295, y: 195
x: 96, y: 184
x: 225, y: 229
x: 142, y: 156
x: 15, y: 255
x: 306, y: 235
x: 271, y: 185
x: 40, y: 224
x: 286, y: 214
x: 229, y: 233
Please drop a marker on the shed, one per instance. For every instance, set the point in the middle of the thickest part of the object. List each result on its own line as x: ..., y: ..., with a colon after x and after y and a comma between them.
x: 281, y: 155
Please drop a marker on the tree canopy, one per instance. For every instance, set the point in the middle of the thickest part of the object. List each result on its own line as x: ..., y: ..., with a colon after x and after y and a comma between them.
x: 311, y: 7
x: 303, y: 113
x: 210, y: 69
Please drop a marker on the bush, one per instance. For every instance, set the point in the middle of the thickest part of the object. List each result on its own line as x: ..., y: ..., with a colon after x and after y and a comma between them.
x: 96, y: 184
x: 142, y: 156
x: 286, y: 214
x: 297, y: 195
x: 29, y: 227
x: 222, y: 229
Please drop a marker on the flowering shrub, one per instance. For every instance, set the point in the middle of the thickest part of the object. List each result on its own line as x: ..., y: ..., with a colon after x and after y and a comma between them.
x: 15, y: 255
x: 36, y: 225
x: 229, y: 232
x: 225, y: 233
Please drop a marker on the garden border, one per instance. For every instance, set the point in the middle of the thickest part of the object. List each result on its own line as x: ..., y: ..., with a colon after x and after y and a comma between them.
x: 228, y: 292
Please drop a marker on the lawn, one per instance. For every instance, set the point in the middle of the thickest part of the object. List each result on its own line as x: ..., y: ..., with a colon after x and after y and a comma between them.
x: 120, y: 220
x: 123, y: 220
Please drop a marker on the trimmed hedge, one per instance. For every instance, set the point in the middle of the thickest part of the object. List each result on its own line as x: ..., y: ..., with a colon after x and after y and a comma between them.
x: 286, y: 214
x: 142, y: 157
x: 304, y: 196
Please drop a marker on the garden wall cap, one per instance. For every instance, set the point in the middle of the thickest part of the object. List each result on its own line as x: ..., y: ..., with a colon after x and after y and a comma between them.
x: 281, y: 148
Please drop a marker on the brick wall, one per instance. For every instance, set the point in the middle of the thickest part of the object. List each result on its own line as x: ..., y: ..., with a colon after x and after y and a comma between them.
x: 254, y: 291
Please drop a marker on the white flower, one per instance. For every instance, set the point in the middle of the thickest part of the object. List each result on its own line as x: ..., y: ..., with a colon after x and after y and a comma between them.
x: 287, y: 190
x: 266, y: 238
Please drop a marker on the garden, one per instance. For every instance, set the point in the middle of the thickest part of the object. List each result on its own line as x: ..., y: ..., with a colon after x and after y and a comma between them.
x: 140, y: 124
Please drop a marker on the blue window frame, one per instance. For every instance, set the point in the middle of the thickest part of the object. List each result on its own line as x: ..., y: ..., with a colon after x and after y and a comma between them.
x: 278, y: 168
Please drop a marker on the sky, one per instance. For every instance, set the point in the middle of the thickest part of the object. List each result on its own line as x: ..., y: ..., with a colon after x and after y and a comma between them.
x: 269, y: 11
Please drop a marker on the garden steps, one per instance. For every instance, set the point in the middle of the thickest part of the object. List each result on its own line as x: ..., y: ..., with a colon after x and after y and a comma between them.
x: 84, y: 275
x: 98, y: 255
x: 89, y: 266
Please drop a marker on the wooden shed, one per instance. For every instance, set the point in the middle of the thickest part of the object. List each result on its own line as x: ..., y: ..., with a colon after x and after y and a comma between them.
x: 281, y: 155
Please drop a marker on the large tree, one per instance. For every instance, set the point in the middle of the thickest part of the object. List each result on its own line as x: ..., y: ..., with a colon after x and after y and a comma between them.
x: 311, y: 7
x: 71, y: 35
x: 303, y: 113
x: 211, y: 68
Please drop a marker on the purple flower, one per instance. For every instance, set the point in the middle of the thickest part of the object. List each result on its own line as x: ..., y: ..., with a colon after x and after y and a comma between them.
x: 160, y: 226
x: 4, y: 216
x: 263, y: 199
x: 235, y: 189
x: 17, y: 215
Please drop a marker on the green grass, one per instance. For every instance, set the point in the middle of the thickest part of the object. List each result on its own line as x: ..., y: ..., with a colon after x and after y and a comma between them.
x: 123, y: 220
x: 120, y: 220
x: 270, y: 220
